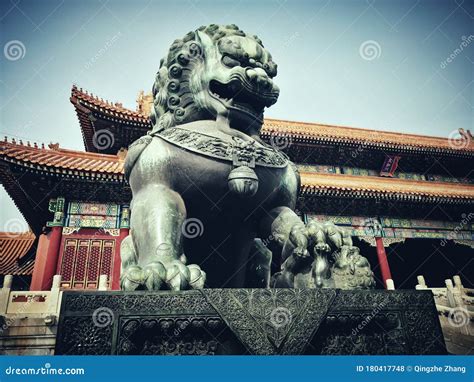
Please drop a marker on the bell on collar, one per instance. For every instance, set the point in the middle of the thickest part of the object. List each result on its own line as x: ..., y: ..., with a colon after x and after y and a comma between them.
x: 243, y: 181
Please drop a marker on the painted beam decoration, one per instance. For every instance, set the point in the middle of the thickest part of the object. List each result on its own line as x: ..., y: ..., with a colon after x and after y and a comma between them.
x: 388, y: 227
x: 390, y: 165
x: 93, y: 215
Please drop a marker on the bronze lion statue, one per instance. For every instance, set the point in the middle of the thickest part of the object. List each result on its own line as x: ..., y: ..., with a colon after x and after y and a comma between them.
x: 206, y: 189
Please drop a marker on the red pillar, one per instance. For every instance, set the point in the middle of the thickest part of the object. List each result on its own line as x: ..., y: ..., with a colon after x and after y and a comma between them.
x: 383, y: 262
x: 46, y: 262
x: 117, y: 260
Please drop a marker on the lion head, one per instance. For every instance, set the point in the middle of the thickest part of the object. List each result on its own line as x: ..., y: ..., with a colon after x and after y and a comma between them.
x: 215, y: 70
x: 351, y: 270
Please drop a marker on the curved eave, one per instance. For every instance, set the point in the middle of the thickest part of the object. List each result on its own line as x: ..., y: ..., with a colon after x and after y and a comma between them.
x: 301, y: 133
x: 109, y: 109
x: 18, y: 160
x: 13, y: 247
x: 66, y: 172
x: 87, y: 130
x: 88, y: 106
x: 70, y: 163
x: 337, y: 185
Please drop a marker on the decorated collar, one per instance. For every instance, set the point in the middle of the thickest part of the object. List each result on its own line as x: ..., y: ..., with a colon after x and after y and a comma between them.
x: 236, y: 150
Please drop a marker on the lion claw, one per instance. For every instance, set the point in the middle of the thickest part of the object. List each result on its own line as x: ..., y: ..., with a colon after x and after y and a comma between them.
x: 322, y: 247
x: 198, y: 277
x: 177, y: 275
x: 132, y: 278
x: 155, y: 275
x: 301, y: 252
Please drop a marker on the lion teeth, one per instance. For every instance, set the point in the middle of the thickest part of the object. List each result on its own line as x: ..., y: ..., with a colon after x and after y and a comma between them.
x: 219, y: 96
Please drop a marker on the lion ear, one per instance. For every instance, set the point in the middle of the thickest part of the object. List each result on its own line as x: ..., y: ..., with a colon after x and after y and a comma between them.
x: 206, y: 42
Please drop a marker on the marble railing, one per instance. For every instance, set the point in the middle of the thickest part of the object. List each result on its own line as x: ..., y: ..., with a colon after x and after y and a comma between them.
x: 28, y: 319
x: 455, y: 305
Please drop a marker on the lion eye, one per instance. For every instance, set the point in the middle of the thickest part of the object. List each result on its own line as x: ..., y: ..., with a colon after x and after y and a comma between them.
x: 230, y: 62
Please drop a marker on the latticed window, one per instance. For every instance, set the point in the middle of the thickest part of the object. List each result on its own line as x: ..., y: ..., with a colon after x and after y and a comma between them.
x: 84, y: 260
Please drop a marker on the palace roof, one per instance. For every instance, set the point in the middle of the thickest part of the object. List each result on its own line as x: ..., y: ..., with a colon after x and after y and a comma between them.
x: 49, y: 170
x: 89, y: 108
x: 57, y: 159
x: 13, y: 249
x: 96, y: 115
x: 314, y: 132
x: 77, y: 164
x: 32, y: 174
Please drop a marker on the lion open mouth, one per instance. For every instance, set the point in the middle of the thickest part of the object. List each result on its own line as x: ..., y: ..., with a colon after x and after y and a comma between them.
x: 240, y: 96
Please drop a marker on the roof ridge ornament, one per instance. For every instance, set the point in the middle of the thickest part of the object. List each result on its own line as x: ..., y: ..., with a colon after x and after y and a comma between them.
x: 122, y: 153
x: 13, y: 141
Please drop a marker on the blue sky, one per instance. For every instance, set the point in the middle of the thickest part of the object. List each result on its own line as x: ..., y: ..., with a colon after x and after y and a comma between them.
x: 373, y: 64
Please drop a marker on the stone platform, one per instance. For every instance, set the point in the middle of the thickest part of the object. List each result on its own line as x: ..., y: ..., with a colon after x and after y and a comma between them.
x: 250, y: 321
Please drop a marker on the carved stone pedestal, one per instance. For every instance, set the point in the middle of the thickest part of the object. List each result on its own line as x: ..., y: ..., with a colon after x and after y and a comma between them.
x: 250, y: 321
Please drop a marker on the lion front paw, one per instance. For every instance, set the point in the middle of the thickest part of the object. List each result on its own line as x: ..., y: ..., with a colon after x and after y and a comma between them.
x: 151, y: 277
x: 299, y: 241
x: 157, y: 275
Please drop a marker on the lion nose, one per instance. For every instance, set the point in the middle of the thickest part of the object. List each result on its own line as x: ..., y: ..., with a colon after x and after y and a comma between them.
x: 259, y: 78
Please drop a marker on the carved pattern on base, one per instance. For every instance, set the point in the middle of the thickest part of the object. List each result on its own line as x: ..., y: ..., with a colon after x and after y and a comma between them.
x: 380, y: 322
x: 272, y: 321
x: 188, y: 335
x: 83, y: 337
x: 242, y: 321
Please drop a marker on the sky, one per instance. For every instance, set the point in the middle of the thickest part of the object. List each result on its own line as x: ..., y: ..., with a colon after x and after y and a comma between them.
x: 403, y: 66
